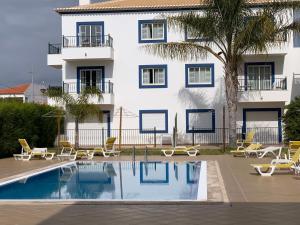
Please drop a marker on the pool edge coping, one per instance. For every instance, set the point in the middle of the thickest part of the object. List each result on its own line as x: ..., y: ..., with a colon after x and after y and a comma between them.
x: 34, y: 172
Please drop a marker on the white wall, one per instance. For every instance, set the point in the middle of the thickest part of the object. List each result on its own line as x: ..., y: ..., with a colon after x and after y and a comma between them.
x: 128, y: 55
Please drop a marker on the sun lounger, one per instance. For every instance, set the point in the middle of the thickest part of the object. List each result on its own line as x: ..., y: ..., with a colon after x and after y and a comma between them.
x: 279, y: 164
x: 68, y: 152
x: 191, y: 151
x: 28, y: 153
x: 247, y: 141
x: 108, y: 149
x: 260, y: 153
x: 241, y: 151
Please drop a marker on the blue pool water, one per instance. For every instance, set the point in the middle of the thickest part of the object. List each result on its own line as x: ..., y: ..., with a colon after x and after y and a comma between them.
x: 113, y: 181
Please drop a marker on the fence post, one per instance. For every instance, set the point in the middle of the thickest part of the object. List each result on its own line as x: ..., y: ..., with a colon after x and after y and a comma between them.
x: 102, y: 139
x: 224, y: 134
x: 154, y: 137
x: 146, y: 154
x: 193, y: 141
x: 133, y: 152
x: 174, y: 137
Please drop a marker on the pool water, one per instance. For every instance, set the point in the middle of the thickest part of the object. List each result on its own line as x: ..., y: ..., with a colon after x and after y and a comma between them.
x: 113, y: 181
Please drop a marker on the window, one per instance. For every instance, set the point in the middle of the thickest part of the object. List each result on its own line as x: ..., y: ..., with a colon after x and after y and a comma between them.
x: 151, y: 120
x: 152, y: 31
x: 90, y: 77
x: 259, y: 76
x: 200, y: 120
x: 90, y: 34
x: 199, y: 75
x: 153, y: 76
x: 296, y: 34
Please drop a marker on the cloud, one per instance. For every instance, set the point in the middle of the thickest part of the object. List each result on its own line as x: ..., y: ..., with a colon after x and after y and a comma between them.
x: 26, y: 28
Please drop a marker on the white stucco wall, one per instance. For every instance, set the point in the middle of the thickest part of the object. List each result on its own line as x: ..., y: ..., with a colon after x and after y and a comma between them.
x: 128, y: 54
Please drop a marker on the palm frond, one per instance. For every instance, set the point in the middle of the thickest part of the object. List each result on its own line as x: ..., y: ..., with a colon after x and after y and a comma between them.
x: 181, y: 50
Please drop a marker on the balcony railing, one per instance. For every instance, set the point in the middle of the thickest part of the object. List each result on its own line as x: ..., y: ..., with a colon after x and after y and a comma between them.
x: 87, y: 41
x: 80, y: 42
x: 54, y: 48
x: 73, y: 88
x: 262, y: 85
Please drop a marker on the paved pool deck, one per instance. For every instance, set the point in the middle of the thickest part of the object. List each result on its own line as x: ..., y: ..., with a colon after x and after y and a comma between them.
x: 252, y: 200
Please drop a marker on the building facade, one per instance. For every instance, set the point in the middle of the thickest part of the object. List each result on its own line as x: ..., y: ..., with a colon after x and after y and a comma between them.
x: 26, y: 93
x: 102, y: 47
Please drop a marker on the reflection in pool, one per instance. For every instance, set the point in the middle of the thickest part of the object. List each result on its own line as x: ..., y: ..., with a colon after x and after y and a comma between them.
x: 113, y: 181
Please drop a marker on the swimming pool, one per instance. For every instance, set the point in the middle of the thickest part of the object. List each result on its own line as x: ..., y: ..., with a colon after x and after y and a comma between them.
x: 118, y: 180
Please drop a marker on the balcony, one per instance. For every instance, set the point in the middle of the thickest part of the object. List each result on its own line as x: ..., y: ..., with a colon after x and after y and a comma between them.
x: 106, y: 88
x: 80, y: 48
x: 263, y: 90
x: 54, y: 56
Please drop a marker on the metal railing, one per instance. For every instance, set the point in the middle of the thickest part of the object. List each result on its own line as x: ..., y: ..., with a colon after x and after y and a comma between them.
x: 97, y: 137
x: 87, y: 41
x: 104, y: 87
x: 262, y: 85
x: 54, y: 48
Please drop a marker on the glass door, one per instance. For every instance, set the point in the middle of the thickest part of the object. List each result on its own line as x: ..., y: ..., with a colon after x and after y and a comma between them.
x: 90, y: 78
x: 259, y: 77
x: 90, y: 35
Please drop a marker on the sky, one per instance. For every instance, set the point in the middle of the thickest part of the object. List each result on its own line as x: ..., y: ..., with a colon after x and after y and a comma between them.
x: 26, y: 28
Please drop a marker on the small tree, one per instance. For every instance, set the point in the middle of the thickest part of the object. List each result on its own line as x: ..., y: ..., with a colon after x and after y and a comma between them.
x: 78, y: 106
x: 228, y: 29
x: 291, y: 121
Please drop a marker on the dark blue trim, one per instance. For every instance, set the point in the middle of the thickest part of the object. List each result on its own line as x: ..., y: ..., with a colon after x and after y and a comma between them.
x: 78, y: 24
x: 108, y: 122
x: 213, y: 122
x: 86, y: 68
x: 259, y: 64
x: 141, y: 67
x: 279, y: 113
x: 142, y: 179
x: 164, y: 22
x: 141, y: 112
x: 188, y: 66
x: 188, y: 177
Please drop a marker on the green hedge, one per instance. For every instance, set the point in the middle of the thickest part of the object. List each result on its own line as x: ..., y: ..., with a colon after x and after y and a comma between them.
x: 18, y: 120
x: 291, y: 121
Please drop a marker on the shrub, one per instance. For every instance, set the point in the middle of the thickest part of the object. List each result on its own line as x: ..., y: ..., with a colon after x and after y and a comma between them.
x: 291, y: 121
x: 18, y: 120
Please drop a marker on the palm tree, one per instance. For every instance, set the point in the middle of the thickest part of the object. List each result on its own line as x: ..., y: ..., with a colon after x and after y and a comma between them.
x: 78, y: 106
x: 229, y: 29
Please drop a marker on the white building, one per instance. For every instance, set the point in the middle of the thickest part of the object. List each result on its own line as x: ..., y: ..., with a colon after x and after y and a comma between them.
x: 102, y: 47
x: 25, y: 93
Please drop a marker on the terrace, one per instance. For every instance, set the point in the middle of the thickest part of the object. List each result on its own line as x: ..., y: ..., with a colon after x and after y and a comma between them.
x: 247, y: 193
x: 76, y: 48
x: 266, y: 90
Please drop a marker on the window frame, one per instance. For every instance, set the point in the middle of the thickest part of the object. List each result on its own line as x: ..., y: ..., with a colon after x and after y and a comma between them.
x: 141, y: 22
x: 188, y: 66
x: 213, y: 122
x: 142, y: 67
x: 156, y: 111
x: 81, y: 68
x: 93, y: 23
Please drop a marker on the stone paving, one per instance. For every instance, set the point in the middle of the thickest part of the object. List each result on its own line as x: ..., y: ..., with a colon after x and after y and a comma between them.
x: 253, y: 200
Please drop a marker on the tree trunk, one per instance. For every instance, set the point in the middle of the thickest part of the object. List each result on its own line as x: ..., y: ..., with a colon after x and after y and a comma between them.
x: 231, y: 83
x: 76, y: 134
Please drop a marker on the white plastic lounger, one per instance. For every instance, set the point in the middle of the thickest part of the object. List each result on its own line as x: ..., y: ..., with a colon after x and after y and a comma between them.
x: 191, y: 151
x: 260, y: 153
